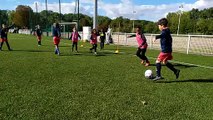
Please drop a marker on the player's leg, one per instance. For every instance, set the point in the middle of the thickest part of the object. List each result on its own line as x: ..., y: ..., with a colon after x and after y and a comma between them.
x: 8, y: 45
x: 57, y: 49
x: 73, y: 44
x: 171, y: 67
x: 102, y: 44
x: 56, y: 43
x: 143, y: 56
x: 92, y: 48
x: 76, y: 46
x: 95, y: 48
x: 2, y: 44
x: 39, y: 40
x: 138, y: 53
x: 158, y: 67
x: 168, y: 56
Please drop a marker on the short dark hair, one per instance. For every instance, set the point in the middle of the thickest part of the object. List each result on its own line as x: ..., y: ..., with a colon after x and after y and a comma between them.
x: 139, y: 27
x: 163, y: 21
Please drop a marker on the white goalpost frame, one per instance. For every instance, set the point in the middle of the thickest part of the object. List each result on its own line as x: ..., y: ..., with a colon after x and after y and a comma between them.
x: 64, y: 28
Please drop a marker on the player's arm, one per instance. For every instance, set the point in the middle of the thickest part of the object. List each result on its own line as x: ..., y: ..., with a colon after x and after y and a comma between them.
x: 79, y: 36
x: 59, y: 32
x: 91, y: 37
x: 97, y: 34
x: 144, y: 39
x: 158, y: 36
x: 131, y: 36
x: 9, y: 27
x: 70, y: 38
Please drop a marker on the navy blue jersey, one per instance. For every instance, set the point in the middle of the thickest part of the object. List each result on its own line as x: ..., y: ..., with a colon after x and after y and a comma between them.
x: 56, y: 32
x: 4, y: 33
x: 38, y: 32
x: 165, y: 41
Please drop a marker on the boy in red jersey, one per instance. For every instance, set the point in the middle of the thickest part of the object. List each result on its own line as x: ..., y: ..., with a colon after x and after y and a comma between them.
x: 93, y: 41
x: 166, y: 49
x: 74, y: 37
x: 142, y: 46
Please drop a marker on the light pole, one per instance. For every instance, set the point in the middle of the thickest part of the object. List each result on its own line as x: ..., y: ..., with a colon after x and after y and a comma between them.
x: 46, y: 17
x: 78, y: 17
x: 59, y: 10
x: 180, y: 13
x: 95, y: 14
x: 133, y: 22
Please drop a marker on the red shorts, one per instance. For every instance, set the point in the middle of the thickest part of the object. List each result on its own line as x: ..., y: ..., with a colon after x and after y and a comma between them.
x: 56, y: 40
x: 4, y: 39
x: 164, y: 57
x: 39, y: 38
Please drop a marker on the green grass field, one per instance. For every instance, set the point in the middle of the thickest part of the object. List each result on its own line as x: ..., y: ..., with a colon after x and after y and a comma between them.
x: 37, y: 84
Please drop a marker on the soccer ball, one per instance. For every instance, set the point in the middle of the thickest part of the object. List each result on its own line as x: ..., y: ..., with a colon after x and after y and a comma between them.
x: 148, y: 74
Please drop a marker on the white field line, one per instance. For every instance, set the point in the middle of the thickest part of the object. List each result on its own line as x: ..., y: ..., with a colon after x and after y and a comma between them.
x: 184, y: 63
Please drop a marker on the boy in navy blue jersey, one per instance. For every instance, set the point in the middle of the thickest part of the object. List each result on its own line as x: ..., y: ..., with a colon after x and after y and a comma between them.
x: 4, y: 38
x: 166, y: 49
x: 38, y: 34
x: 56, y: 37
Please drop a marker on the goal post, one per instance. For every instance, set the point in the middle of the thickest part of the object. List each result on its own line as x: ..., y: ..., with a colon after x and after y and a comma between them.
x: 66, y: 28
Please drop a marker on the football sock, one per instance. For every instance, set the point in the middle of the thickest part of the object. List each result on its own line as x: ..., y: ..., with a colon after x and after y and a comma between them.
x: 171, y: 67
x: 158, y: 71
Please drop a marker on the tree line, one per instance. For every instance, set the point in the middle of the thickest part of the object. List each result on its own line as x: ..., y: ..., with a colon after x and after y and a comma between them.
x: 191, y: 22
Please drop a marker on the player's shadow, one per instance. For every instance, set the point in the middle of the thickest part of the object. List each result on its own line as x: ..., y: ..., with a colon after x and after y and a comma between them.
x: 32, y: 51
x: 177, y: 65
x: 183, y: 65
x: 185, y: 81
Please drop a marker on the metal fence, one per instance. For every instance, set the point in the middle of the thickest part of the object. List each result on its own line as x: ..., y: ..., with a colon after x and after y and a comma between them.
x: 189, y: 44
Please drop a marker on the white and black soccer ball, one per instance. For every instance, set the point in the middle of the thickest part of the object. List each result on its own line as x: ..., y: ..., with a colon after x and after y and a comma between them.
x: 148, y: 74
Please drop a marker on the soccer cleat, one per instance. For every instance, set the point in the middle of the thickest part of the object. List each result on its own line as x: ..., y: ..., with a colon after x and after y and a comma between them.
x: 157, y: 78
x: 177, y: 74
x: 10, y: 49
x: 95, y: 53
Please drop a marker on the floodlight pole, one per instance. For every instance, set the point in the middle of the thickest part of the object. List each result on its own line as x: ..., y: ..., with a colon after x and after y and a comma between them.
x: 179, y: 19
x: 78, y: 17
x: 95, y: 15
x: 59, y: 1
x: 133, y: 23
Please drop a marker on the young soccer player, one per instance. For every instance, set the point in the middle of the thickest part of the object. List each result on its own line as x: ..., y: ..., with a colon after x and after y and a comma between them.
x: 166, y: 49
x: 142, y: 46
x: 38, y: 34
x: 56, y: 37
x: 4, y: 37
x: 74, y: 37
x: 102, y: 38
x: 93, y: 41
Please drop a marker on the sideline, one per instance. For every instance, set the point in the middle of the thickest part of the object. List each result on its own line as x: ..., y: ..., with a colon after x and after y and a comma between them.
x: 173, y: 61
